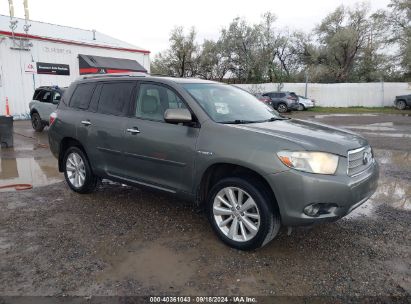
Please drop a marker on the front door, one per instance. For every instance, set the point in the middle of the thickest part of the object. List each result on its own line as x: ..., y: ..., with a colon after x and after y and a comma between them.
x: 159, y: 154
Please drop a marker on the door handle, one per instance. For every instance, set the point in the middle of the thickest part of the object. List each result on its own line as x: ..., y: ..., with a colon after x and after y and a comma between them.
x: 133, y: 131
x: 86, y: 122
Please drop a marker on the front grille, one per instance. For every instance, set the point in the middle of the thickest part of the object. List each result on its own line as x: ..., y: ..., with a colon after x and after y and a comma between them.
x: 359, y: 160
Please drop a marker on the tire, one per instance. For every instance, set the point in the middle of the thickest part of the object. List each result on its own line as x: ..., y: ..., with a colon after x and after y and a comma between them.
x: 36, y: 122
x: 267, y: 226
x: 301, y: 107
x: 282, y: 108
x: 401, y: 105
x: 75, y: 158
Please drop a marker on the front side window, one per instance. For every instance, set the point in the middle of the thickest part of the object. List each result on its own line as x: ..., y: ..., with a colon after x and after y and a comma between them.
x: 115, y: 98
x: 153, y: 100
x: 82, y: 95
x: 228, y: 104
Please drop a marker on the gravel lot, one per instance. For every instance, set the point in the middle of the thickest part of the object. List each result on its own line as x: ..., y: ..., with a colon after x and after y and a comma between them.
x: 126, y: 241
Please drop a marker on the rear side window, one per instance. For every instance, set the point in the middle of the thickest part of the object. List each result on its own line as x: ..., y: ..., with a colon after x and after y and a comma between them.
x: 82, y: 96
x: 36, y: 95
x: 42, y: 95
x: 115, y: 98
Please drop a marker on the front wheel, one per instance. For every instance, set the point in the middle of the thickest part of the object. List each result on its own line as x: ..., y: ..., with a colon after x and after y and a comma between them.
x: 36, y: 122
x: 282, y: 108
x: 401, y: 105
x: 77, y: 171
x: 241, y: 214
x: 301, y: 107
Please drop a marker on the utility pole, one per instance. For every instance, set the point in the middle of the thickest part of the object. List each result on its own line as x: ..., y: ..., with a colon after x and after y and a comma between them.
x: 306, y: 83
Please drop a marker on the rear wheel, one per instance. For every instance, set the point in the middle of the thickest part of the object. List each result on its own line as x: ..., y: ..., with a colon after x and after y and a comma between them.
x: 241, y: 214
x: 282, y: 108
x: 36, y: 122
x: 401, y: 105
x: 77, y: 171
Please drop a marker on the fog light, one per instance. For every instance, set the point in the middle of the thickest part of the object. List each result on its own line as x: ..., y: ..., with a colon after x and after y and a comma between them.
x: 312, y: 210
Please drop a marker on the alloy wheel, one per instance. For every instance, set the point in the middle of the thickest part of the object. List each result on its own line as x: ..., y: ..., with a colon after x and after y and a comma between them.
x: 76, y: 170
x: 282, y: 108
x: 236, y: 214
x: 401, y: 105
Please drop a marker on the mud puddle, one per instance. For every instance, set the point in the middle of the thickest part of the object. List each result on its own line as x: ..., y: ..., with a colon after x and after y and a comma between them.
x: 37, y: 171
x: 394, y: 187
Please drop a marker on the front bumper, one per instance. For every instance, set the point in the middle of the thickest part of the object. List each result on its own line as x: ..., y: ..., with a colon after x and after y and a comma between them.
x: 295, y: 190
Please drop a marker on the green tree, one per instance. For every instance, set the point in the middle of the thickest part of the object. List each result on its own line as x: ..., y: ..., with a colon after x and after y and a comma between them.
x: 181, y: 59
x: 343, y: 36
x: 214, y: 60
x: 398, y: 21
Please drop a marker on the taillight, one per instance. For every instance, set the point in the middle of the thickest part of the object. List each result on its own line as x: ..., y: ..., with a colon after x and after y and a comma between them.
x: 52, y: 118
x: 291, y: 97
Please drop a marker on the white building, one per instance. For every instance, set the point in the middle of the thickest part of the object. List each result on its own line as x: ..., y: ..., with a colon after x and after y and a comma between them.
x: 50, y: 54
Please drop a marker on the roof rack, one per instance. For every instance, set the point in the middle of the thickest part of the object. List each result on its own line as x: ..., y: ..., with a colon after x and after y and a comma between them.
x: 49, y: 87
x: 131, y: 74
x: 162, y: 75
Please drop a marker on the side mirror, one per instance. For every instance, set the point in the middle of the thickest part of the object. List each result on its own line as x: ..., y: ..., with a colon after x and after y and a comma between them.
x: 177, y: 116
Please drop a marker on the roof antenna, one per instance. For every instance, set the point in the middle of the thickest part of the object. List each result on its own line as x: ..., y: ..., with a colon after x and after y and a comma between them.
x: 94, y: 34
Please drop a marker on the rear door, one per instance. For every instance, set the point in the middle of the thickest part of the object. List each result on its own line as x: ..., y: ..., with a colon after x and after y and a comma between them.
x: 79, y: 105
x: 157, y: 153
x: 104, y: 125
x: 43, y: 104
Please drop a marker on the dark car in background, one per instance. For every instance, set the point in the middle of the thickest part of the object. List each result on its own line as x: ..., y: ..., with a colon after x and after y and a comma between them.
x: 402, y: 102
x: 283, y: 101
x: 264, y: 99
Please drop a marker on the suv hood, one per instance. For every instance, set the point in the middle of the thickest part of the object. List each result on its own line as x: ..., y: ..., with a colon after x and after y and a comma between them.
x: 311, y: 136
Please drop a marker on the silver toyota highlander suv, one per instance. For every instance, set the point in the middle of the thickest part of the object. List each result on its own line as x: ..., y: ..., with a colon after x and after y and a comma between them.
x: 250, y: 168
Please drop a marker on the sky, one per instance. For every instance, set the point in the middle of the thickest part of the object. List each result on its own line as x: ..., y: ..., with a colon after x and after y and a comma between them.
x: 147, y: 24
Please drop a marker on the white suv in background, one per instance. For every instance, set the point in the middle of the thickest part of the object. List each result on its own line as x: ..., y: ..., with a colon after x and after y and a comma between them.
x: 305, y: 103
x: 45, y: 101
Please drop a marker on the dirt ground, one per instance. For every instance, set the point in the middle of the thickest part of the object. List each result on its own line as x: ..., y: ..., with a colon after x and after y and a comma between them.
x: 126, y: 241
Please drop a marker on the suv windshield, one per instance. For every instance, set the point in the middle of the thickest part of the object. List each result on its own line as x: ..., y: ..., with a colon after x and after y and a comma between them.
x: 228, y: 104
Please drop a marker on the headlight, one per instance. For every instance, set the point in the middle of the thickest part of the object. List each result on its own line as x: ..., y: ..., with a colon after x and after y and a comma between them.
x: 313, y: 162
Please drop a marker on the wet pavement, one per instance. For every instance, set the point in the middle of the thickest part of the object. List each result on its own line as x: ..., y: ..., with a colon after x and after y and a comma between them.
x: 29, y: 161
x: 126, y: 241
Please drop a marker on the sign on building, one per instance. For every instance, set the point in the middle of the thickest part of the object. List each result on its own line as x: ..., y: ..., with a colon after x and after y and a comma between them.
x: 30, y: 68
x: 53, y: 68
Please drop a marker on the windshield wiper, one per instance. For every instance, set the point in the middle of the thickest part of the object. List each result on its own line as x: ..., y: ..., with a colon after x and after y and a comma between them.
x: 238, y: 122
x: 273, y: 119
x: 241, y: 121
